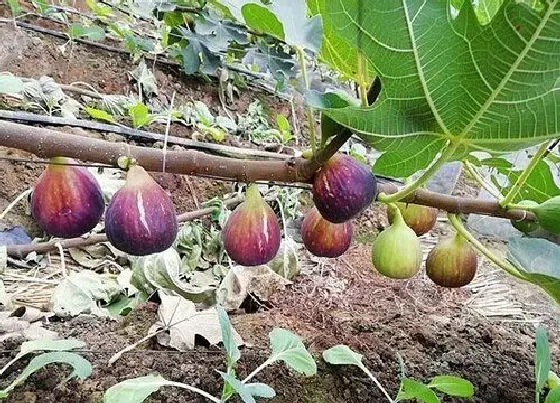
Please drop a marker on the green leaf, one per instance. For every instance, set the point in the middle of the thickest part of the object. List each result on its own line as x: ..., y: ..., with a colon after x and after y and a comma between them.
x: 139, y: 114
x: 488, y: 88
x: 101, y: 10
x: 548, y: 214
x: 134, y: 390
x: 553, y: 396
x: 92, y: 32
x: 298, y: 29
x: 261, y: 19
x: 49, y: 345
x: 452, y: 386
x: 539, y: 186
x: 10, y: 85
x: 411, y: 389
x: 342, y: 355
x: 542, y: 358
x: 230, y: 345
x: 15, y: 7
x: 81, y: 367
x: 337, y: 52
x: 247, y: 391
x: 537, y: 260
x: 99, y: 114
x: 287, y: 347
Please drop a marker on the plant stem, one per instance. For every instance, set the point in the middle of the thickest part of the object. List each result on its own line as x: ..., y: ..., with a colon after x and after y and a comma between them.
x: 377, y: 383
x: 476, y: 176
x: 193, y: 389
x: 363, y: 82
x: 310, y: 112
x: 524, y: 175
x: 21, y: 196
x: 501, y: 263
x: 258, y: 369
x: 422, y: 179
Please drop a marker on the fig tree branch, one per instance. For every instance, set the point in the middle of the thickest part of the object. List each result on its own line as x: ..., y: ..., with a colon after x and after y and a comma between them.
x: 49, y: 143
x: 21, y: 251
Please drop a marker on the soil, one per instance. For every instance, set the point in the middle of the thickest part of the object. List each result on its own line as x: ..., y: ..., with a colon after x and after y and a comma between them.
x: 434, y: 330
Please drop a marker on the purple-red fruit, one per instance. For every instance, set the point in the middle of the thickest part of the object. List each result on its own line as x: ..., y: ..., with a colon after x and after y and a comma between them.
x: 252, y: 235
x: 140, y: 219
x: 67, y: 200
x: 420, y: 219
x: 324, y: 238
x: 452, y: 263
x: 343, y: 188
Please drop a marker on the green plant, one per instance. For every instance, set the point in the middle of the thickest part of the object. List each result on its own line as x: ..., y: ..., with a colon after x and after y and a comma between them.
x: 58, y: 352
x: 544, y: 377
x: 286, y: 347
x: 409, y: 389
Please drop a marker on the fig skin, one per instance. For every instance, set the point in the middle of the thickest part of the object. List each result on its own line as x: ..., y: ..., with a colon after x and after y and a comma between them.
x: 452, y: 263
x: 523, y: 225
x: 251, y: 234
x: 343, y: 188
x: 420, y: 219
x: 548, y: 214
x: 67, y: 200
x: 323, y: 238
x: 396, y: 251
x: 140, y: 219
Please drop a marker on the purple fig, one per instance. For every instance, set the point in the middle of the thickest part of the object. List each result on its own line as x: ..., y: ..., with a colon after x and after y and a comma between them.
x: 452, y: 262
x: 252, y: 235
x: 67, y: 200
x: 420, y: 219
x: 396, y: 251
x: 343, y: 188
x: 140, y: 219
x: 324, y: 238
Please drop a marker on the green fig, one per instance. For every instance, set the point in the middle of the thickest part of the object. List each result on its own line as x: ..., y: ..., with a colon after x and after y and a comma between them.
x: 420, y: 219
x: 526, y: 226
x: 452, y: 262
x: 396, y: 251
x: 548, y: 214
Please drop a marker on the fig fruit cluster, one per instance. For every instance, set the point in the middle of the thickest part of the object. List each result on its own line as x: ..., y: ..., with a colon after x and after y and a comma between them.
x: 140, y: 219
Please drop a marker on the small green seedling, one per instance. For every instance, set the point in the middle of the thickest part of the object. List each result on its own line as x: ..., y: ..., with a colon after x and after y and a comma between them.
x: 544, y: 377
x: 286, y: 347
x: 58, y: 352
x: 409, y: 389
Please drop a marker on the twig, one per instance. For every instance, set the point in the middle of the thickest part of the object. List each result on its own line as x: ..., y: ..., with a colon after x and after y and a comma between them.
x: 138, y: 134
x: 10, y: 206
x: 42, y: 247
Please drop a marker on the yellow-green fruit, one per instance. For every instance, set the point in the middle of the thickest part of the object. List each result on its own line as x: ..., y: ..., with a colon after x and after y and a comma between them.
x: 548, y: 214
x: 524, y: 225
x: 396, y: 251
x: 420, y: 219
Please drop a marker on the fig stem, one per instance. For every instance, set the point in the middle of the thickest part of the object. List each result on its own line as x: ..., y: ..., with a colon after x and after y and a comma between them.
x: 542, y: 150
x: 501, y: 263
x: 476, y: 176
x: 252, y: 194
x: 397, y: 215
x: 310, y: 111
x: 522, y: 207
x: 446, y: 153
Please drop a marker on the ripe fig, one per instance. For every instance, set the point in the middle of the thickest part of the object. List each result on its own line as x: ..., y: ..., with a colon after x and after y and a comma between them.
x: 452, y: 262
x: 324, y: 238
x: 548, y: 214
x: 343, y: 188
x: 396, y: 251
x: 67, y: 200
x: 252, y: 235
x: 140, y: 219
x: 420, y: 219
x: 524, y: 225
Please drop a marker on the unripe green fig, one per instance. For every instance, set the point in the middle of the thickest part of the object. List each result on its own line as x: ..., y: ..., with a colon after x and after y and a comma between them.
x: 452, y: 262
x: 67, y: 200
x: 526, y: 226
x: 396, y: 251
x: 420, y: 219
x: 324, y: 238
x: 252, y: 235
x: 140, y: 219
x: 548, y: 214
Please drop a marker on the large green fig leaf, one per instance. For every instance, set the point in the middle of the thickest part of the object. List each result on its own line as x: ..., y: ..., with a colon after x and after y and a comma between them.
x: 491, y: 87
